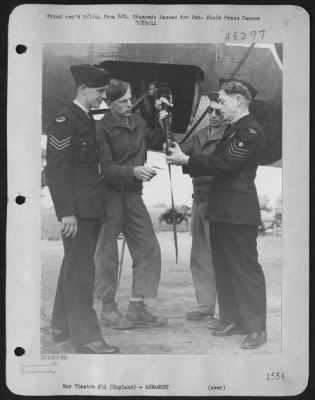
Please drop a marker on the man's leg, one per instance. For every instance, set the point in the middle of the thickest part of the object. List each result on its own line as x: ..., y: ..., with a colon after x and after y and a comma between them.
x: 106, y: 255
x: 247, y: 276
x: 144, y: 248
x: 78, y: 281
x: 78, y: 284
x: 201, y: 263
x: 146, y: 255
x: 106, y: 261
x: 225, y: 290
x: 248, y: 282
x: 59, y: 320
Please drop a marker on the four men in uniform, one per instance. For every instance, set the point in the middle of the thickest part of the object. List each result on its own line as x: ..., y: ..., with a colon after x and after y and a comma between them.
x: 76, y: 149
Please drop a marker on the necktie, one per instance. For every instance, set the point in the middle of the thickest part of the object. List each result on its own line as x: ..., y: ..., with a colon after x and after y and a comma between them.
x: 227, y: 130
x: 91, y: 118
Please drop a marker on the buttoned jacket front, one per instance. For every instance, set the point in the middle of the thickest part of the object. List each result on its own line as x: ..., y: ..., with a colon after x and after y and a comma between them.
x: 233, y: 197
x: 72, y: 167
x: 202, y: 143
x: 123, y: 145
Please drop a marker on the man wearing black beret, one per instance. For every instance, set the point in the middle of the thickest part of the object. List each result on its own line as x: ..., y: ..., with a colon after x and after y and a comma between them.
x: 78, y: 195
x: 123, y: 139
x: 234, y: 215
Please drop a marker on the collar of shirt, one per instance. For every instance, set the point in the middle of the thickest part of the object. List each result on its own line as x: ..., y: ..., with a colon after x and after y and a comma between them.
x: 205, y: 136
x: 129, y: 122
x: 239, y: 117
x: 231, y: 129
x: 218, y: 133
x: 83, y: 108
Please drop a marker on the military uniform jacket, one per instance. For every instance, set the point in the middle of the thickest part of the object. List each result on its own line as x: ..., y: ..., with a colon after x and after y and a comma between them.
x: 123, y: 145
x: 72, y: 169
x: 233, y: 197
x: 202, y: 143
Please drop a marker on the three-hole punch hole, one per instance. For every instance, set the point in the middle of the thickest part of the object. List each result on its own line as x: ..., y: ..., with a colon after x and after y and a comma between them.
x: 20, y: 199
x: 21, y: 48
x: 19, y: 351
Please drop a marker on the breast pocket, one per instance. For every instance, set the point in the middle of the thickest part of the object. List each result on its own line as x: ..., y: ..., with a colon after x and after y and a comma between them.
x: 85, y: 150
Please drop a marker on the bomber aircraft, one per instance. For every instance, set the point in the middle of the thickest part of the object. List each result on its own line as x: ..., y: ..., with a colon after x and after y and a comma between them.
x: 186, y: 72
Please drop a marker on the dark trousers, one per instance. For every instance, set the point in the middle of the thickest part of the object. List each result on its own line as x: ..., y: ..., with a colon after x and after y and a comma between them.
x: 240, y: 280
x: 73, y: 308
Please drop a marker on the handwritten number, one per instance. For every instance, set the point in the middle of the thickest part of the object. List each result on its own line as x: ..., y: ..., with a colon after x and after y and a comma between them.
x: 244, y: 35
x: 274, y: 376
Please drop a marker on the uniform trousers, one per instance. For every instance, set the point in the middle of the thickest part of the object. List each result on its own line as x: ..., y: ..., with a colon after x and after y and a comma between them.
x: 201, y: 262
x: 240, y: 279
x: 73, y: 310
x: 127, y: 214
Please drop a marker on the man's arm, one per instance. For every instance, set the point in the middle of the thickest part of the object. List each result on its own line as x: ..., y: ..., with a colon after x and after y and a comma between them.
x: 154, y: 137
x: 59, y: 172
x: 187, y: 147
x: 59, y: 165
x: 229, y: 159
x: 114, y: 173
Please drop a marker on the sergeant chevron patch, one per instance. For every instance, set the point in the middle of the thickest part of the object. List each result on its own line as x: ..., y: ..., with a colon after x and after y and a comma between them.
x: 237, y: 150
x: 59, y: 144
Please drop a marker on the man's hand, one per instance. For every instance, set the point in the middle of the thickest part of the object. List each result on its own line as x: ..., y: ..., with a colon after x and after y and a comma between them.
x: 160, y: 102
x: 69, y: 226
x: 163, y: 114
x: 144, y: 173
x: 176, y: 156
x: 167, y: 146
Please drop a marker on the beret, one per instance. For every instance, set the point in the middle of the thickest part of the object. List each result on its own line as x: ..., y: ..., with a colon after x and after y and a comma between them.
x: 214, y: 96
x: 234, y: 88
x: 116, y: 89
x: 89, y: 75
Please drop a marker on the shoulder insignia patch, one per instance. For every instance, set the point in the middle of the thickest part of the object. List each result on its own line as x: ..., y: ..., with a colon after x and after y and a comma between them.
x: 237, y: 150
x: 59, y: 144
x: 252, y: 131
x: 61, y: 118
